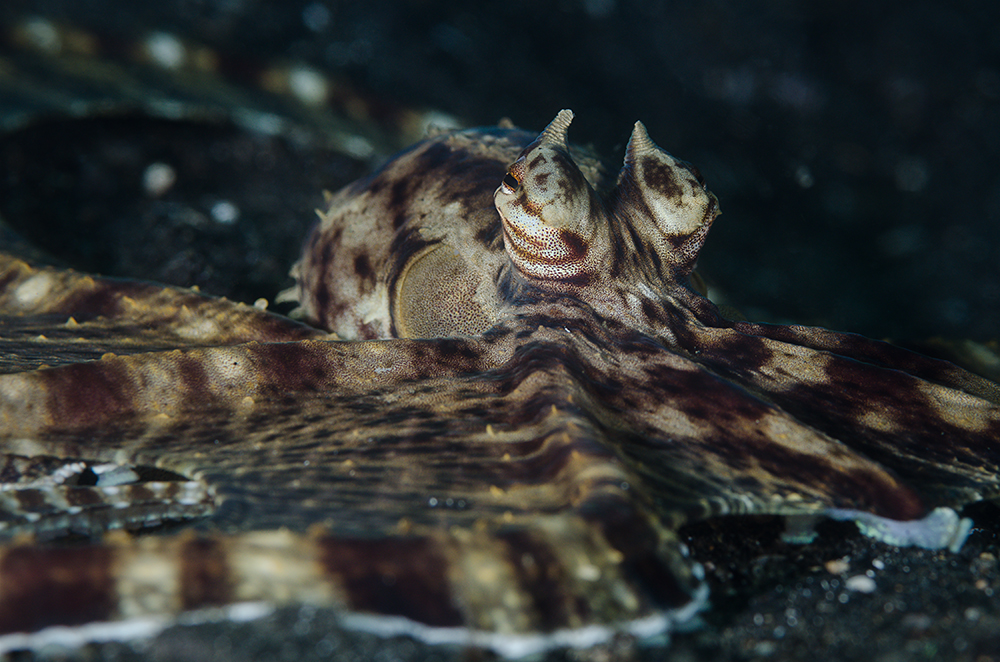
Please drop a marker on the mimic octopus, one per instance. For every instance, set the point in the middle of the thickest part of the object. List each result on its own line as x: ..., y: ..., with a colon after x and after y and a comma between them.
x: 517, y: 396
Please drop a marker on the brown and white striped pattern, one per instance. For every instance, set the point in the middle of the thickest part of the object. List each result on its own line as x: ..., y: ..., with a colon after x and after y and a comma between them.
x: 56, y: 510
x: 513, y: 591
x: 512, y: 476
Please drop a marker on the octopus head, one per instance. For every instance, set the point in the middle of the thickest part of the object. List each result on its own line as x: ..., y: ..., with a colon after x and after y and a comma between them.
x: 554, y: 225
x: 665, y: 203
x: 557, y: 228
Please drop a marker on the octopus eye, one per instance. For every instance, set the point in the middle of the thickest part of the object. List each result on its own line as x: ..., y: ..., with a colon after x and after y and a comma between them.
x: 510, y: 181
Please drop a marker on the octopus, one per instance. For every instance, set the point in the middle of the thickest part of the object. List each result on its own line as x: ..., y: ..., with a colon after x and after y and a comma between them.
x: 506, y: 395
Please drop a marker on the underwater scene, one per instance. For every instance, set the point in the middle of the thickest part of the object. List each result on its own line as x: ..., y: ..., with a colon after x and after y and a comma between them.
x: 594, y: 330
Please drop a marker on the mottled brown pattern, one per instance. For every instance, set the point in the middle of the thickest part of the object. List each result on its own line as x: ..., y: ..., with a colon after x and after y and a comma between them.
x: 499, y: 442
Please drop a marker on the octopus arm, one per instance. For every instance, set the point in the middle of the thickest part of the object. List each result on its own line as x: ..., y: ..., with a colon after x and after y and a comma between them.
x: 708, y: 445
x: 434, y: 448
x: 935, y: 425
x: 51, y: 316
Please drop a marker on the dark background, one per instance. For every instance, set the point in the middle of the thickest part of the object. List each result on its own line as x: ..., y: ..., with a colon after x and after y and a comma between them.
x: 853, y: 145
